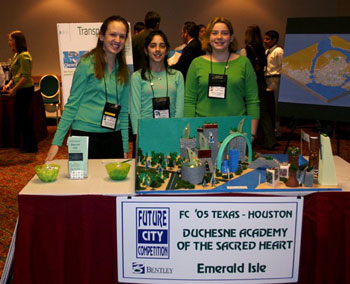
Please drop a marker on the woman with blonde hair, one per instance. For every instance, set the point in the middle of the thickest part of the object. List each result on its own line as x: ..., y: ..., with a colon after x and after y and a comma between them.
x: 221, y: 82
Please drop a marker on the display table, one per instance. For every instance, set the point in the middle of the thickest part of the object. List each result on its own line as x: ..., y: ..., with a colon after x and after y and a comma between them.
x: 7, y: 120
x: 97, y: 183
x: 67, y: 231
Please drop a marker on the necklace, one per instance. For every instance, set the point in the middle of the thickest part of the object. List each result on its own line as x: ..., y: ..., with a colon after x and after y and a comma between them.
x: 226, y: 64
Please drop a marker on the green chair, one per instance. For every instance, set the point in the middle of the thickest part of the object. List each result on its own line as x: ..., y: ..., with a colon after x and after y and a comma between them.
x: 50, y: 90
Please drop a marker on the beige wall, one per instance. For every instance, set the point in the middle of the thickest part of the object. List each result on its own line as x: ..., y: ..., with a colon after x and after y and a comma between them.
x: 38, y: 18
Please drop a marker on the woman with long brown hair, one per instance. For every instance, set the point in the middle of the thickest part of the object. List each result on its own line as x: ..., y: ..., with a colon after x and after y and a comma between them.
x: 22, y: 86
x: 99, y: 98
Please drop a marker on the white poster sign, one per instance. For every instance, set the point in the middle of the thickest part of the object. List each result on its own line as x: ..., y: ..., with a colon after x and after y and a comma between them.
x: 74, y: 40
x: 208, y: 239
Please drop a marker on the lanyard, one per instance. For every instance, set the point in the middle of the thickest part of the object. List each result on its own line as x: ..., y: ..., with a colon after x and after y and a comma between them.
x: 116, y: 87
x: 211, y: 63
x: 152, y: 84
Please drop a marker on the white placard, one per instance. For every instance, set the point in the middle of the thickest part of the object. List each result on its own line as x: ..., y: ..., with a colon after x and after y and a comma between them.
x: 74, y: 40
x: 208, y: 239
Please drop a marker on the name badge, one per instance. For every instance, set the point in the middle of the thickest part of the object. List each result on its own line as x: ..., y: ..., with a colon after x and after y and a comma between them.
x: 161, y: 107
x: 110, y: 116
x: 217, y: 86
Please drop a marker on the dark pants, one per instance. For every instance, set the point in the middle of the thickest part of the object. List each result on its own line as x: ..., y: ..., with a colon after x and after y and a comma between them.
x: 266, y: 129
x: 108, y: 145
x: 24, y: 119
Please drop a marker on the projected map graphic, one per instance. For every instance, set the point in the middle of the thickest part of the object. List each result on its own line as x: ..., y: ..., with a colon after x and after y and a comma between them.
x: 316, y: 69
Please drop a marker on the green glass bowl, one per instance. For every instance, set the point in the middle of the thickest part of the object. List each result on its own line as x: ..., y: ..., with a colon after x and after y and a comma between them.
x: 117, y: 171
x: 47, y: 172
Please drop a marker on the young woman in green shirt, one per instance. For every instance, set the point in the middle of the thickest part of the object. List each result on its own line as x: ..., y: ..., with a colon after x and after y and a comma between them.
x: 221, y: 82
x: 157, y: 91
x: 100, y: 87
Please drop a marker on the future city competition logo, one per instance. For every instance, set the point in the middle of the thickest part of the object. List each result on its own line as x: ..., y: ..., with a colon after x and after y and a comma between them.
x: 152, y: 233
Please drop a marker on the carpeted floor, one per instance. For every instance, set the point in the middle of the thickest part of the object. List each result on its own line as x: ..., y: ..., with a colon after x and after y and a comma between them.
x: 16, y: 169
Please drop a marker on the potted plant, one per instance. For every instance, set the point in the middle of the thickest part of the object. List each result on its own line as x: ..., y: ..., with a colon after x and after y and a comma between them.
x: 293, y: 155
x: 292, y: 179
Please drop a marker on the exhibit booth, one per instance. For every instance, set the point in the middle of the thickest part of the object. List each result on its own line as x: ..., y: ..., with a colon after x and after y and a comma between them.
x: 99, y: 230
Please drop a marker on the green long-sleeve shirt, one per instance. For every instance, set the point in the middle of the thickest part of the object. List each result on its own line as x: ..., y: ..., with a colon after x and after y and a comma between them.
x: 241, y: 94
x: 141, y: 94
x: 21, y: 66
x: 87, y: 99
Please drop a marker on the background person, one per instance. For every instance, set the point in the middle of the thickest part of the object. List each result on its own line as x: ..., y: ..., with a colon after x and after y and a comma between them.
x: 202, y: 29
x: 152, y: 22
x: 2, y: 77
x: 22, y: 86
x: 192, y: 49
x: 255, y: 52
x: 213, y: 96
x: 156, y: 81
x: 100, y: 81
x: 138, y: 27
x: 274, y: 56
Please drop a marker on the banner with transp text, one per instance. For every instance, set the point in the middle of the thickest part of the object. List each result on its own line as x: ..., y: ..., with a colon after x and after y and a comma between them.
x: 207, y: 239
x: 74, y: 40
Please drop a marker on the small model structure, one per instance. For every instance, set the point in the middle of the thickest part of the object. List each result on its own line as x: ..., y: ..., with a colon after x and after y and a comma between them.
x: 210, y: 131
x: 204, y: 151
x: 284, y: 170
x: 272, y: 177
x: 309, y: 177
x: 233, y: 159
x: 194, y: 170
x: 186, y: 142
x: 239, y: 142
x: 326, y: 171
x: 264, y: 162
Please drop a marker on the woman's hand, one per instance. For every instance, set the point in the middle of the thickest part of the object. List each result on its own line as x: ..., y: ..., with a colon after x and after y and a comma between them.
x: 6, y: 87
x: 51, y: 153
x: 12, y: 92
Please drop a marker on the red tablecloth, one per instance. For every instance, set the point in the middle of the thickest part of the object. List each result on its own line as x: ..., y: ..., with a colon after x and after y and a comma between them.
x: 7, y: 120
x: 72, y: 239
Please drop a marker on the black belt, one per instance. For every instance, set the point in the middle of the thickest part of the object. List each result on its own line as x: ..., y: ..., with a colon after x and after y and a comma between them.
x: 277, y: 75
